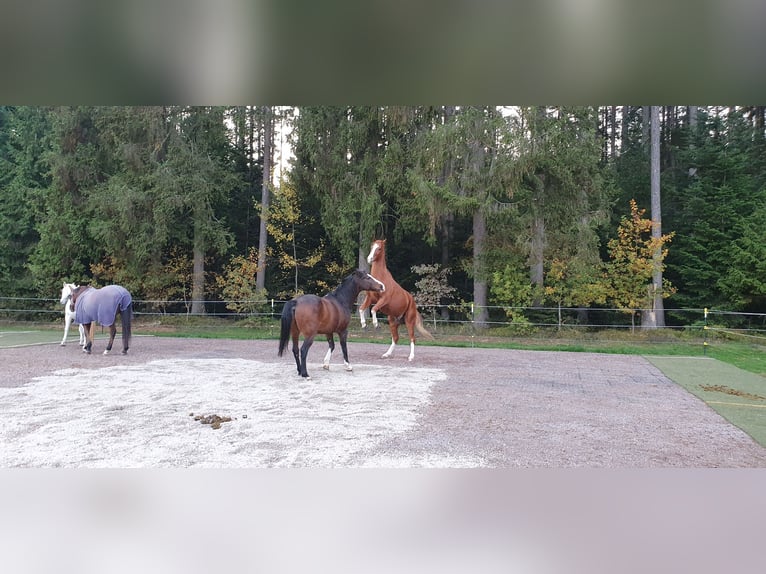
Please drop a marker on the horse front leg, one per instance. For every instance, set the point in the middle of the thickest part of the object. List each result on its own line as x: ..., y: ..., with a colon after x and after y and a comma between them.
x: 81, y: 329
x: 112, y: 333
x: 393, y: 325
x: 326, y: 362
x: 67, y: 322
x: 374, y: 314
x: 344, y: 348
x: 362, y: 308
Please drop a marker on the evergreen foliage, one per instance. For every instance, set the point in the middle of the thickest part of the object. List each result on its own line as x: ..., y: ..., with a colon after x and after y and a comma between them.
x: 507, y: 206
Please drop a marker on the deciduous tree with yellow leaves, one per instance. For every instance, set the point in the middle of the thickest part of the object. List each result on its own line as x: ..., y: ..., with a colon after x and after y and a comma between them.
x: 632, y: 261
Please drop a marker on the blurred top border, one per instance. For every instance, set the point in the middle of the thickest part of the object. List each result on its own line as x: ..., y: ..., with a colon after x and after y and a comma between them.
x: 394, y: 52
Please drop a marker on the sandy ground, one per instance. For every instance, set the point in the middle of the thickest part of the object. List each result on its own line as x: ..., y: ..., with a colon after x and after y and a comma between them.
x: 449, y: 408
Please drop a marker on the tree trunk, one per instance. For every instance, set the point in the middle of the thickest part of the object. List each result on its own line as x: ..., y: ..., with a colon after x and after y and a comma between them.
x: 198, y: 273
x: 655, y: 317
x: 480, y: 315
x: 537, y: 246
x: 624, y: 135
x: 645, y: 126
x: 446, y: 238
x: 260, y: 276
x: 364, y: 245
x: 537, y: 258
x: 446, y: 220
x: 477, y: 157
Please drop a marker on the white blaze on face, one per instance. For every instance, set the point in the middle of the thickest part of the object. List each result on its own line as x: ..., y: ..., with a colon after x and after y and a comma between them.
x: 373, y: 251
x: 382, y: 286
x: 66, y: 291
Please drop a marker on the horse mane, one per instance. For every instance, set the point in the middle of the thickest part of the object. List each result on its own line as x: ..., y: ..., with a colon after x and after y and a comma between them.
x: 343, y: 292
x: 77, y: 291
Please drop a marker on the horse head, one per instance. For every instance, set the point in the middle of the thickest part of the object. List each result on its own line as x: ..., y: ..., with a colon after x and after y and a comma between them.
x: 76, y: 292
x: 66, y: 292
x: 367, y: 282
x: 377, y: 250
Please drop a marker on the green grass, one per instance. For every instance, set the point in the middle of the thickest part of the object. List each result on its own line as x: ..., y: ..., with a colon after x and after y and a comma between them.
x: 743, y: 354
x: 737, y: 395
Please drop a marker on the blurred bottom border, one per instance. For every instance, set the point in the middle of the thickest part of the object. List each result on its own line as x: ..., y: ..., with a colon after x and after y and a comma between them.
x: 363, y: 520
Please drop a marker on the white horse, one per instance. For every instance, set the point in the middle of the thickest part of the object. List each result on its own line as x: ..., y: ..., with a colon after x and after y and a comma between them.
x: 66, y: 299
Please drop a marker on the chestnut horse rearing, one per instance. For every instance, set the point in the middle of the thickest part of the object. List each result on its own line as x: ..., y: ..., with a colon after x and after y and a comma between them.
x: 396, y: 302
x: 312, y: 315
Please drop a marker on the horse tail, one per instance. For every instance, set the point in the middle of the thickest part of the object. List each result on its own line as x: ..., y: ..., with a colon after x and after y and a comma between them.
x: 288, y: 312
x: 421, y: 329
x: 418, y: 318
x: 127, y: 319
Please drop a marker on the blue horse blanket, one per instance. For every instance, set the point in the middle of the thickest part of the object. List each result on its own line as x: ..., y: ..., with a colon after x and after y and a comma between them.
x: 100, y: 305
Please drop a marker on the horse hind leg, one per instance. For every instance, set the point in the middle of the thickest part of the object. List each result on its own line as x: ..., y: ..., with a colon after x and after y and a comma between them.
x: 411, y: 332
x: 328, y: 355
x: 126, y: 318
x: 90, y: 329
x: 307, y: 342
x: 112, y: 333
x: 394, y: 327
x: 344, y: 348
x: 295, y: 334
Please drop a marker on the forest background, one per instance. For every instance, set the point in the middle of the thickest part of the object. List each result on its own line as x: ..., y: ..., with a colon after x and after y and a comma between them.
x: 511, y: 206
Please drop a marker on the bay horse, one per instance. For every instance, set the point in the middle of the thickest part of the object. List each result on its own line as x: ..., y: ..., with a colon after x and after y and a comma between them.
x: 396, y: 302
x: 312, y: 315
x: 102, y: 306
x: 66, y: 295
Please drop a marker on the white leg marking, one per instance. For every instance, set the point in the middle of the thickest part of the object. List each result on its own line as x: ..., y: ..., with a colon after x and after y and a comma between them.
x: 412, y: 350
x: 361, y: 318
x: 348, y: 367
x: 326, y: 363
x: 106, y: 352
x: 67, y: 321
x: 387, y: 354
x: 374, y: 319
x: 82, y: 336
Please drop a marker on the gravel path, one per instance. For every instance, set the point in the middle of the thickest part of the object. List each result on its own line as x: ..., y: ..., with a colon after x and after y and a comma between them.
x: 448, y: 408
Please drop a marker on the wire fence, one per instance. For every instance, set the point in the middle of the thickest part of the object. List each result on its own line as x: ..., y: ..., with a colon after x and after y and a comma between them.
x: 452, y: 319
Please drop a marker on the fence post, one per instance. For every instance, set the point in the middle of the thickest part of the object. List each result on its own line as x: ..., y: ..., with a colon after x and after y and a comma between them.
x: 704, y: 343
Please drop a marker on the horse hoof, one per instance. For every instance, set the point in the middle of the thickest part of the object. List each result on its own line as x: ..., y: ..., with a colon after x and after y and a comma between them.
x: 124, y: 352
x: 106, y: 352
x: 349, y: 368
x: 326, y: 367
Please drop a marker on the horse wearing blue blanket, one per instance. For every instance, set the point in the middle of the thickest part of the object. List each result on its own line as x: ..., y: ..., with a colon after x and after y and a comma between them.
x: 102, y: 306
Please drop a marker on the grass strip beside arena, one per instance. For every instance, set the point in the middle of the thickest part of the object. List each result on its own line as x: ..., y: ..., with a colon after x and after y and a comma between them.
x: 10, y: 338
x: 737, y: 395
